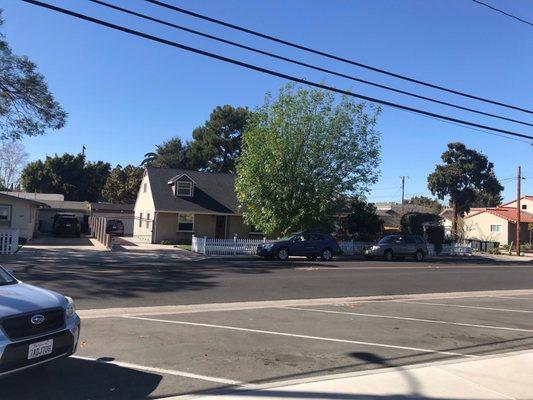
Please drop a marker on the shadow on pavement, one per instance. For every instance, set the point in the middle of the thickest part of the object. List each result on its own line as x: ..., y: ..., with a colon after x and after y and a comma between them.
x: 75, y: 379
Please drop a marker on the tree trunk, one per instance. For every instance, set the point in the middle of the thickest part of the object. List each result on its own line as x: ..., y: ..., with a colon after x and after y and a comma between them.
x: 454, y: 221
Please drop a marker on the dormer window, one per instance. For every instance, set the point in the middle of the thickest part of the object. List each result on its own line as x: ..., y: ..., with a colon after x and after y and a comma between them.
x: 183, y: 188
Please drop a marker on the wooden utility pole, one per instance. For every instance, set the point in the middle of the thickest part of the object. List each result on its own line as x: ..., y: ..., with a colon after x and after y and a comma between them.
x: 518, y: 211
x: 403, y: 190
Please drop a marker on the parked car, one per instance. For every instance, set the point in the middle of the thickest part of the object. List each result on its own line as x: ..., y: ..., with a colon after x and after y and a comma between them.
x: 398, y: 247
x: 66, y: 225
x: 115, y: 227
x: 309, y: 244
x: 37, y: 325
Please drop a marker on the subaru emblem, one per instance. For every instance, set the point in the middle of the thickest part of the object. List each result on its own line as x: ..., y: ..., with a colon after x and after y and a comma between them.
x: 37, y: 319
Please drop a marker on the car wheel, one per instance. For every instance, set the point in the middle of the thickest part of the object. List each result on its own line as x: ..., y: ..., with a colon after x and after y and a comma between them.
x: 283, y: 254
x: 388, y: 256
x: 311, y: 258
x: 327, y: 255
x: 419, y: 256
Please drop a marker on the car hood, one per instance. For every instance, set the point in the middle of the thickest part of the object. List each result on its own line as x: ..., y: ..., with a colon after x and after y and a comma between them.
x: 22, y: 298
x: 275, y: 242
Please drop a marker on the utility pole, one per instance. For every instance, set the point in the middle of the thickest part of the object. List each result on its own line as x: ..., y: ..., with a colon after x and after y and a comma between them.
x: 83, y: 148
x: 403, y: 189
x: 518, y: 182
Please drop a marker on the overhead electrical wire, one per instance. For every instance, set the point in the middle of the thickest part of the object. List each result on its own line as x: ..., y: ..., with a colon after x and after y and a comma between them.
x: 293, y: 61
x: 268, y: 71
x: 503, y: 12
x: 332, y: 56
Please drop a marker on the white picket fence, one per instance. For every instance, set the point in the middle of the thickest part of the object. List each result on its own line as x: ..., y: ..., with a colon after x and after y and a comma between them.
x: 353, y: 248
x: 451, y: 250
x: 9, y: 241
x: 233, y: 246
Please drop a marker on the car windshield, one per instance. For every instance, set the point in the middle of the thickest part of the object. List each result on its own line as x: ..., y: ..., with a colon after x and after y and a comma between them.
x: 5, y: 277
x: 387, y: 240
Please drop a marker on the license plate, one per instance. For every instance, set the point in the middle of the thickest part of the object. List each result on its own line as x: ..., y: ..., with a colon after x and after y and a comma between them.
x: 40, y: 349
x: 67, y: 225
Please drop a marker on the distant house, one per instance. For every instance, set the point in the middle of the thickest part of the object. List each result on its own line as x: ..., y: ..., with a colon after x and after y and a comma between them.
x: 56, y: 204
x: 122, y: 212
x: 498, y: 224
x: 20, y: 213
x: 175, y: 204
x: 391, y: 214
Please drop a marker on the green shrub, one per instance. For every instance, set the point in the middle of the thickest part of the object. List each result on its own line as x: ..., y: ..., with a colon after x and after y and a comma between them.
x: 167, y: 242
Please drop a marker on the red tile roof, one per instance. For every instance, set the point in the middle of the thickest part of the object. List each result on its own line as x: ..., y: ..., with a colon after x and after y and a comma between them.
x: 508, y: 213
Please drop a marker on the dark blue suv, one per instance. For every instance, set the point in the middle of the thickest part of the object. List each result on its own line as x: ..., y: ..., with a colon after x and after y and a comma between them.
x: 309, y: 244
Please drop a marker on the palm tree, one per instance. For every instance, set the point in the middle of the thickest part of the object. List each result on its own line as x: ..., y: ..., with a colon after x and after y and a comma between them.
x: 149, y: 158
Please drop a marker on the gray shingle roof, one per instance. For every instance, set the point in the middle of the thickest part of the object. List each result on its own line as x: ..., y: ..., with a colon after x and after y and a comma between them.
x: 213, y: 192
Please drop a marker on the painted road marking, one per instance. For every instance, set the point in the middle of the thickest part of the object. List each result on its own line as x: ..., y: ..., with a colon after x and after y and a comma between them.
x: 408, y: 319
x: 165, y: 371
x: 327, y: 339
x: 463, y: 306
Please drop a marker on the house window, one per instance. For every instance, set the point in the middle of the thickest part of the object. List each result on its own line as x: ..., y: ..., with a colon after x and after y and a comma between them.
x: 183, y: 188
x: 185, y: 222
x: 145, y: 186
x: 524, y: 206
x: 496, y: 228
x: 140, y: 220
x: 5, y: 213
x: 148, y: 220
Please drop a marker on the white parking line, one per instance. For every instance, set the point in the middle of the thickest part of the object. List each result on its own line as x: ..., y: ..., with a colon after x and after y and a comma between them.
x: 165, y: 371
x: 409, y: 319
x: 327, y: 339
x: 463, y: 306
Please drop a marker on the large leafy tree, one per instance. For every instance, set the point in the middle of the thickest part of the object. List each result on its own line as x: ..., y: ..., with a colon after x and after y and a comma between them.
x: 122, y: 184
x: 362, y: 221
x: 487, y: 199
x: 426, y: 202
x: 216, y: 145
x: 169, y: 154
x: 463, y: 174
x: 303, y: 154
x: 27, y: 108
x: 70, y: 175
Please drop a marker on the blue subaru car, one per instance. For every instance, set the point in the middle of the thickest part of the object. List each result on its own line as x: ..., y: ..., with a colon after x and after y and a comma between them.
x: 36, y: 325
x: 309, y: 244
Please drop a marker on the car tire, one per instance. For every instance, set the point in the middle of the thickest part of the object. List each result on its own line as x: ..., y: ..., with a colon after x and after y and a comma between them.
x: 388, y: 255
x: 283, y: 254
x: 327, y: 255
x: 311, y: 258
x: 419, y: 256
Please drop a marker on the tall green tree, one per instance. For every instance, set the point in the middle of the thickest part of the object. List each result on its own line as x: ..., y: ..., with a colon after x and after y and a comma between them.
x: 169, y: 154
x: 362, y: 221
x: 426, y: 202
x: 27, y: 108
x: 216, y: 145
x: 487, y: 199
x: 70, y: 175
x: 303, y: 154
x: 122, y: 184
x: 463, y: 174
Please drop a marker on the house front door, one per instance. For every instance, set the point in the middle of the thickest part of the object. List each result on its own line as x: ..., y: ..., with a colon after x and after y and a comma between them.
x: 220, y: 228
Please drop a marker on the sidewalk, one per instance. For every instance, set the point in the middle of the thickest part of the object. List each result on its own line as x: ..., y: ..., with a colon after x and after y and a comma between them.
x: 503, y: 376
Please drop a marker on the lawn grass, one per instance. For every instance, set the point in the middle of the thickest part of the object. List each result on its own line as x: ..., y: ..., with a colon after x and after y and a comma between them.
x: 184, y: 246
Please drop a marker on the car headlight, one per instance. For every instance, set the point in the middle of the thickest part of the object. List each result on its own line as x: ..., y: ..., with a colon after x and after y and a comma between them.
x: 375, y: 247
x: 269, y: 245
x: 70, y: 311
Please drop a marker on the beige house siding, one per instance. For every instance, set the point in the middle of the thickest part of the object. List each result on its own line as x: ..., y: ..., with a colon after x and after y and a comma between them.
x: 23, y: 217
x: 523, y: 202
x: 144, y: 211
x: 479, y: 228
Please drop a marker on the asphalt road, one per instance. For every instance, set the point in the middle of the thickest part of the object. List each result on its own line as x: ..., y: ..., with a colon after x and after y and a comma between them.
x: 115, y: 279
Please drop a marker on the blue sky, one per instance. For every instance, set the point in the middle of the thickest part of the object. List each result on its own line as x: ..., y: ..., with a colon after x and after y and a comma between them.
x: 124, y: 94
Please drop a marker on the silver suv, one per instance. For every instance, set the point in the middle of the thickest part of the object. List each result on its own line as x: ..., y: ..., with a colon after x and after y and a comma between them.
x: 398, y: 247
x: 36, y: 325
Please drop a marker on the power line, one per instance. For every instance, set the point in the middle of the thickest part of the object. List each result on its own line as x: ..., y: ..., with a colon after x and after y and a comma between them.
x: 293, y: 61
x: 265, y: 70
x: 503, y: 12
x: 332, y: 56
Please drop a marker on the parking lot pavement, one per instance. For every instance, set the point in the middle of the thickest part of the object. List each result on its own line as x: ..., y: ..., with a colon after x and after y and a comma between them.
x: 131, y: 355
